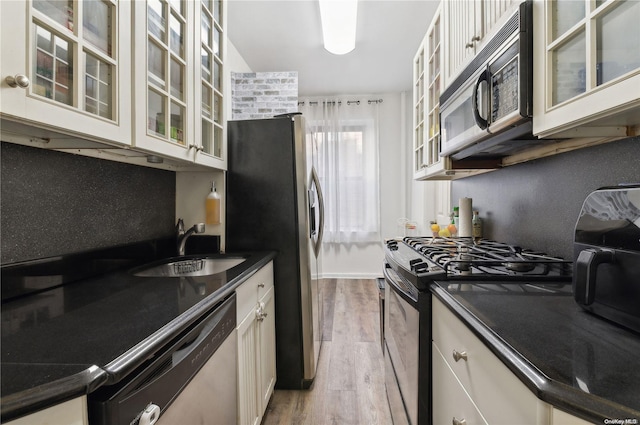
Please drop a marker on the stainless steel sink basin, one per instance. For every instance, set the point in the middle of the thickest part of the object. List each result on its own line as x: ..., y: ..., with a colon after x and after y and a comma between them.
x: 198, y: 266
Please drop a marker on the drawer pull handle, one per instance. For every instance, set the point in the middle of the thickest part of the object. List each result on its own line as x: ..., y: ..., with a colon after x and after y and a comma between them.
x: 260, y: 285
x: 457, y: 421
x: 458, y: 355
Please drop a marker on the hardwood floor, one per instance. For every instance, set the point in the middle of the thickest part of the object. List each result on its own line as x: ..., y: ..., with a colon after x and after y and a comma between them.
x: 349, y: 384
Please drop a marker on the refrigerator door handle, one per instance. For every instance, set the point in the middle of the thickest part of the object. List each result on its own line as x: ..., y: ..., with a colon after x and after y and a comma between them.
x: 313, y: 230
x: 316, y: 182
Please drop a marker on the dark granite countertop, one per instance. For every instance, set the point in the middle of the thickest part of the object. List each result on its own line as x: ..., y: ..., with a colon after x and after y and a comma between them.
x: 67, y: 341
x: 578, y: 362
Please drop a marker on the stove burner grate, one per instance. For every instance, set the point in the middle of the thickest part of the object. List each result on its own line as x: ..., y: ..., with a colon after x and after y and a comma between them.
x: 462, y: 257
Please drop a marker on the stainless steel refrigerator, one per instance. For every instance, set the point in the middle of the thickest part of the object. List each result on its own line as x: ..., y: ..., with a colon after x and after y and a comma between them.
x: 274, y: 202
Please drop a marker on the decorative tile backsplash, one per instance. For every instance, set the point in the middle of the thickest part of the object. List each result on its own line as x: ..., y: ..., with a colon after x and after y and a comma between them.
x: 263, y: 94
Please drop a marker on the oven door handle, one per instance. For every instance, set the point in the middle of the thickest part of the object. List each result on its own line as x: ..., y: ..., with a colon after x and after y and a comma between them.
x: 480, y: 121
x: 399, y: 286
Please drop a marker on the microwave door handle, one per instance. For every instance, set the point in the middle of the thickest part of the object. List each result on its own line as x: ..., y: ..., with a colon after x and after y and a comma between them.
x: 481, y: 122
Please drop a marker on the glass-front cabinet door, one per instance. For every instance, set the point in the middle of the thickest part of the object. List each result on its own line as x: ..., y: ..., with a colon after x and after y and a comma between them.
x: 163, y: 55
x: 427, y: 66
x: 418, y: 112
x: 65, y: 66
x: 428, y: 164
x: 433, y: 84
x: 587, y: 63
x: 209, y: 96
x: 178, y: 97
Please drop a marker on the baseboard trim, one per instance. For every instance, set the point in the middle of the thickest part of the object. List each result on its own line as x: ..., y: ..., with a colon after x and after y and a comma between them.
x: 351, y: 276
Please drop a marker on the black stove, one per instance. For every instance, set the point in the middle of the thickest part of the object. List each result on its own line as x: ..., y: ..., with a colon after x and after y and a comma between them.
x: 422, y: 260
x: 458, y: 265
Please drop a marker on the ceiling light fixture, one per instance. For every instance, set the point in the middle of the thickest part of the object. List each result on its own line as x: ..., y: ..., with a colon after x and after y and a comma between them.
x: 339, y: 25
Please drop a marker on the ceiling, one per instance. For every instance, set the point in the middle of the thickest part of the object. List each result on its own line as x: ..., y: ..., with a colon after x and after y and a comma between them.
x: 286, y: 36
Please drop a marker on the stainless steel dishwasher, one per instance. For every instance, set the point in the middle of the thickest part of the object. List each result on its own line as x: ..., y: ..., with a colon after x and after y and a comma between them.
x: 191, y: 382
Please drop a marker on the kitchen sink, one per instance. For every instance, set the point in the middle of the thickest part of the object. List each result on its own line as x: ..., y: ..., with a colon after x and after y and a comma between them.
x: 191, y: 266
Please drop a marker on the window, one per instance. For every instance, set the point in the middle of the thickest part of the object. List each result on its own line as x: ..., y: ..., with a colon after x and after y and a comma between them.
x: 346, y: 149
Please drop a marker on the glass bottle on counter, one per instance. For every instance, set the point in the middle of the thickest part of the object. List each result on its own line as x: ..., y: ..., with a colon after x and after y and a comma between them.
x: 456, y: 216
x: 476, y: 226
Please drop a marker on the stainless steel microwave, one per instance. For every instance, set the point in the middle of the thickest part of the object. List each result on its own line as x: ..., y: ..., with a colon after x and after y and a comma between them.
x: 487, y: 110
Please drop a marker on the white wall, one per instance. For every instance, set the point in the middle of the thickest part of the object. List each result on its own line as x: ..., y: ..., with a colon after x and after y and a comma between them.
x: 235, y: 63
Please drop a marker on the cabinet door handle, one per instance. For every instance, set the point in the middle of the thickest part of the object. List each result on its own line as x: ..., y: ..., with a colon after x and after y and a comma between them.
x: 19, y: 80
x: 260, y: 285
x: 457, y: 421
x: 457, y: 355
x: 260, y: 313
x: 472, y: 43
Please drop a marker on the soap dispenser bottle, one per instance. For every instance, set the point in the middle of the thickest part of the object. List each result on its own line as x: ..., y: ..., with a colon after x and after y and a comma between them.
x: 212, y: 206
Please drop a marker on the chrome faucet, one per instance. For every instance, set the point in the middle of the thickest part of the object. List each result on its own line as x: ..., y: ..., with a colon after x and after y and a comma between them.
x: 183, y: 236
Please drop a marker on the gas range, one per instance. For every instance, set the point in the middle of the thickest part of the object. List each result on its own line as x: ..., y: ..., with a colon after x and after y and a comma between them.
x: 423, y: 260
x: 458, y: 265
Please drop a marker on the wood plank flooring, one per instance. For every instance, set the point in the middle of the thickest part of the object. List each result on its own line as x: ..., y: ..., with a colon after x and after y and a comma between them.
x: 349, y: 384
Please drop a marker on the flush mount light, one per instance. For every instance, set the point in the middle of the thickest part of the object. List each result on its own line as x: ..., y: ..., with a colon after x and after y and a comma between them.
x: 339, y: 25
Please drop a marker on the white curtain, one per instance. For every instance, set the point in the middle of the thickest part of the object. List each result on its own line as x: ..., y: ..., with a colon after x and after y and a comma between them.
x: 346, y: 132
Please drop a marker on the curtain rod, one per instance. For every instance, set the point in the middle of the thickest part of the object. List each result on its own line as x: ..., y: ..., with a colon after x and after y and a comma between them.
x: 339, y: 102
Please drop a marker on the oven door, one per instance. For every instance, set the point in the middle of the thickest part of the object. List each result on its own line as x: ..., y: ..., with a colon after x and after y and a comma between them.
x: 401, y: 334
x: 463, y: 115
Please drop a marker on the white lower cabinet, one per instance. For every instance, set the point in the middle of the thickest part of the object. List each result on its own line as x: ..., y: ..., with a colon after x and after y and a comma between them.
x: 558, y: 417
x: 497, y: 395
x: 256, y: 345
x: 451, y: 403
x: 72, y: 412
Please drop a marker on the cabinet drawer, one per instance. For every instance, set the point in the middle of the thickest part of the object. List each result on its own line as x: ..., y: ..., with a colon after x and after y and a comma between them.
x: 72, y: 412
x: 253, y: 289
x: 496, y: 391
x: 450, y: 401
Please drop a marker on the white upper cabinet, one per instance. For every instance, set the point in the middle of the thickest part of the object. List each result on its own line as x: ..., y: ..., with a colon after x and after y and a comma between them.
x: 210, y: 115
x: 145, y: 75
x: 427, y: 86
x: 587, y: 67
x: 467, y: 24
x: 426, y: 98
x: 178, y: 61
x: 66, y: 67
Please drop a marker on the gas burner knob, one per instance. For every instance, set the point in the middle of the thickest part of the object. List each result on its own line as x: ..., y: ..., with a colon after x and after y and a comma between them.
x: 417, y: 265
x: 392, y: 245
x: 422, y: 267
